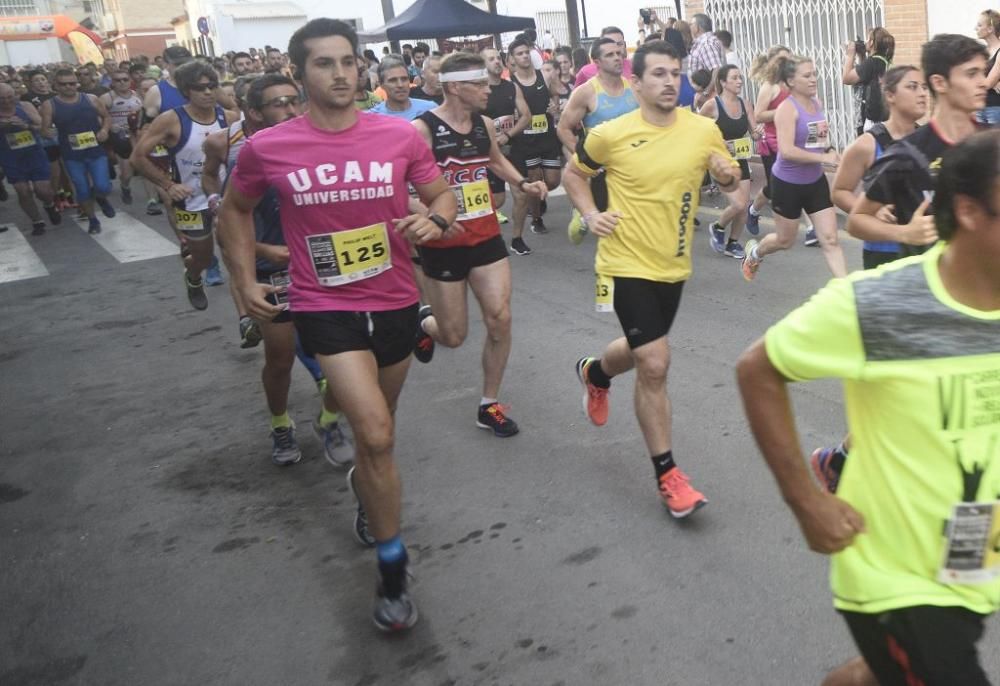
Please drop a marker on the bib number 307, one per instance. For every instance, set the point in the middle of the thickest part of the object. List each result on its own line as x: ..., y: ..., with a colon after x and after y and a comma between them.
x: 349, y: 256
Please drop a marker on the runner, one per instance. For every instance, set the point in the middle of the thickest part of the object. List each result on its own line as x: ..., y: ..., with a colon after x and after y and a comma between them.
x: 770, y: 94
x: 163, y: 96
x: 733, y: 114
x: 917, y: 344
x: 83, y: 124
x: 606, y: 96
x: 23, y: 159
x: 472, y: 254
x: 654, y: 159
x: 125, y: 106
x: 588, y: 71
x: 182, y: 131
x: 40, y: 90
x: 393, y: 76
x: 430, y: 86
x: 355, y: 310
x: 509, y: 111
x: 536, y: 152
x: 798, y: 179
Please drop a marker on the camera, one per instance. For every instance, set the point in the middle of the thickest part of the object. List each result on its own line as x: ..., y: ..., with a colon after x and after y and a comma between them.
x: 647, y: 16
x: 860, y: 49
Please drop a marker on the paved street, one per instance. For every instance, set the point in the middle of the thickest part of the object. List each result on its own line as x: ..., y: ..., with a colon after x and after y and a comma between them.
x: 146, y: 538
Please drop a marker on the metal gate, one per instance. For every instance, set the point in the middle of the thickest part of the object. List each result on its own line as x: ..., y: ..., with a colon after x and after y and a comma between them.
x: 814, y: 28
x: 556, y: 22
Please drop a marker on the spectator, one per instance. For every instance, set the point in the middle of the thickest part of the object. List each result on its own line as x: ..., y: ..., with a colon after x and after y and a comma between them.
x: 706, y: 50
x: 988, y: 31
x: 242, y: 63
x: 865, y: 72
x: 726, y: 38
x: 420, y: 53
x: 548, y: 43
x: 589, y: 71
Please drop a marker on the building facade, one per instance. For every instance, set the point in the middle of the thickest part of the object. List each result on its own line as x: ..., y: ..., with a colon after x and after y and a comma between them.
x: 140, y: 27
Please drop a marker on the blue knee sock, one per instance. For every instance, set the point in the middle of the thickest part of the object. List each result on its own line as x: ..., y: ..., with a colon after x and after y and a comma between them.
x: 391, y: 550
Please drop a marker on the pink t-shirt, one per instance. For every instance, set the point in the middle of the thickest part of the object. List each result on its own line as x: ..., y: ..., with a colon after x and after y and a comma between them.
x: 589, y: 71
x: 339, y: 192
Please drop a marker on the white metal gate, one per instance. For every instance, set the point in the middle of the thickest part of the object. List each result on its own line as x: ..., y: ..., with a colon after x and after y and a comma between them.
x: 556, y: 22
x: 815, y: 28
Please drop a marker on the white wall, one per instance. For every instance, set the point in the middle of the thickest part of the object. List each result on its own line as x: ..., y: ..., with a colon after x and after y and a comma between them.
x: 243, y: 34
x: 21, y: 53
x: 955, y: 16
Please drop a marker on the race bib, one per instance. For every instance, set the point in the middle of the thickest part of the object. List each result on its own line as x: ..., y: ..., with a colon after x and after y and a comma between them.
x: 349, y: 256
x: 503, y: 123
x: 740, y: 148
x: 539, y: 124
x: 818, y: 135
x: 473, y: 200
x: 605, y: 294
x: 20, y: 140
x: 188, y: 221
x: 83, y: 140
x: 282, y: 281
x: 972, y: 544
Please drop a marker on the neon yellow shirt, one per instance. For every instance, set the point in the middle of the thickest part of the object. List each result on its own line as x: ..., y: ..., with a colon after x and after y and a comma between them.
x: 922, y: 391
x: 654, y: 178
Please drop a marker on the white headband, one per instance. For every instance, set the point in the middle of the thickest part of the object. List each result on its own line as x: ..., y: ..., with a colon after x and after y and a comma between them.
x: 470, y: 75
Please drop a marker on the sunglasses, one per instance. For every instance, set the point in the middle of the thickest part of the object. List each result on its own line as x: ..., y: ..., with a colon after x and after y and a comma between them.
x: 283, y: 101
x: 205, y: 87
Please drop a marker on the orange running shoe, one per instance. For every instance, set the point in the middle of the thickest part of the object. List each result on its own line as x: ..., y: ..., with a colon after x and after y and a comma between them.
x: 595, y: 400
x: 678, y: 495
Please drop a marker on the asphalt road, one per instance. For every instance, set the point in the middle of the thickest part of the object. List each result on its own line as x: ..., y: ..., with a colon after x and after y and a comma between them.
x: 145, y: 537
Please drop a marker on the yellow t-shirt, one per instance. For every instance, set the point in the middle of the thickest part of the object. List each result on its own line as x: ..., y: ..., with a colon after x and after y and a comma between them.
x: 922, y: 391
x: 654, y: 176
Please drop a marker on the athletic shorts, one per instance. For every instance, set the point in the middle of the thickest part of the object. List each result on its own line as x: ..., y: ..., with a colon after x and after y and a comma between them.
x: 52, y: 152
x: 646, y: 309
x: 542, y: 154
x: 768, y: 162
x: 121, y: 144
x: 30, y: 164
x: 872, y: 259
x: 198, y: 234
x: 389, y: 335
x: 286, y: 315
x: 790, y: 200
x: 930, y: 646
x: 744, y: 170
x: 497, y: 185
x: 454, y: 264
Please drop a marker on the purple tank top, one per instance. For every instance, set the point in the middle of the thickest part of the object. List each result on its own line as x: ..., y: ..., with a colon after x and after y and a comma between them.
x: 812, y: 134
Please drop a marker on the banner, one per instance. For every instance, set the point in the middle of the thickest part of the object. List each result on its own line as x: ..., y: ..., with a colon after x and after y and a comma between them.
x: 473, y: 45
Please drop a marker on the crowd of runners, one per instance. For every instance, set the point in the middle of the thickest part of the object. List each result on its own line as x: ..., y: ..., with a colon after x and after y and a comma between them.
x: 354, y: 258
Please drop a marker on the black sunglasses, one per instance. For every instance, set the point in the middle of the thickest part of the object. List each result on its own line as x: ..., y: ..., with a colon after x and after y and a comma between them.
x: 205, y: 87
x: 283, y: 101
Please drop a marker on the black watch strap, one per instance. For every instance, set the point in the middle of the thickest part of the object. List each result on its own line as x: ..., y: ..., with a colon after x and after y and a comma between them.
x: 441, y: 222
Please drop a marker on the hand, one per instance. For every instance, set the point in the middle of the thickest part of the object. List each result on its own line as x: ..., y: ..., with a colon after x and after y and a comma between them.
x: 849, y: 48
x: 828, y: 523
x: 178, y: 192
x: 536, y: 189
x: 887, y: 213
x: 254, y: 298
x: 553, y: 108
x: 213, y: 203
x: 506, y: 138
x: 102, y: 136
x: 275, y: 254
x: 722, y: 168
x: 921, y: 229
x: 418, y: 229
x: 603, y: 223
x: 831, y: 158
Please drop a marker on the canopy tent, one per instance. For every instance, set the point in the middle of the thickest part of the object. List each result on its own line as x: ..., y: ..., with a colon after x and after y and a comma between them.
x: 444, y: 19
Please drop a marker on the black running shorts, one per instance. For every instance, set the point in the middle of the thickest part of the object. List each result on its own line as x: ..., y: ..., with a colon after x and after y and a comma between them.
x: 790, y: 199
x: 532, y: 153
x: 931, y: 646
x: 389, y: 335
x: 646, y: 309
x: 497, y: 185
x: 454, y: 264
x: 768, y: 162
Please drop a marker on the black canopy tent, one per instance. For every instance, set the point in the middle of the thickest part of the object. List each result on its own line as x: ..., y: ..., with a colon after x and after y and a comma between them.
x: 444, y: 19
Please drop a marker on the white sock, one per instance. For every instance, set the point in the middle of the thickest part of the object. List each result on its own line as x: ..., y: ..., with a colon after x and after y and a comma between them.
x: 486, y: 401
x: 753, y: 211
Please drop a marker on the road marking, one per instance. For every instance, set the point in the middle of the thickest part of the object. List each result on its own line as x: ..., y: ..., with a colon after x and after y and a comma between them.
x: 18, y: 260
x: 130, y: 240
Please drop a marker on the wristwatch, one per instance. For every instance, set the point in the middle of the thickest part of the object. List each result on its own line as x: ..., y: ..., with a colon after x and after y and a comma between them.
x: 441, y: 222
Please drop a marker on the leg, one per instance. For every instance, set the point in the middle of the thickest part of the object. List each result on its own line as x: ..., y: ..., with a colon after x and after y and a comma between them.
x: 825, y: 223
x: 449, y: 325
x: 201, y: 249
x: 491, y: 284
x: 783, y: 238
x: 26, y: 199
x: 279, y: 357
x: 652, y: 406
x: 852, y: 673
x: 77, y: 171
x: 534, y: 204
x: 735, y: 215
x: 520, y: 212
x: 552, y: 177
x: 43, y: 191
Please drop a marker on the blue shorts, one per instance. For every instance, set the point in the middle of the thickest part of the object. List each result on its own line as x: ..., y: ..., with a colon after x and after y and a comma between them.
x: 30, y: 164
x: 96, y: 168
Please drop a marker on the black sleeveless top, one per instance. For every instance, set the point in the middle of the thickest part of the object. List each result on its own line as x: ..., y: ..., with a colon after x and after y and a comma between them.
x: 501, y: 106
x: 992, y: 97
x: 537, y: 96
x: 732, y: 128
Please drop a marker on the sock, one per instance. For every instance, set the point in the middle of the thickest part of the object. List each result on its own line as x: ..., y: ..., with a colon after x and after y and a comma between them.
x: 281, y: 421
x: 485, y: 402
x: 663, y: 463
x: 321, y: 385
x: 753, y: 252
x: 326, y: 418
x: 597, y: 376
x: 391, y: 550
x: 753, y: 211
x: 392, y: 570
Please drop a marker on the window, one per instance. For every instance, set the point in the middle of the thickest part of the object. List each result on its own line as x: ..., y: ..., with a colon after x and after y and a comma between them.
x: 18, y: 8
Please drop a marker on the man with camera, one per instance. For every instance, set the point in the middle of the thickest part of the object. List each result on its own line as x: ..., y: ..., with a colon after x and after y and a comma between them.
x: 864, y: 66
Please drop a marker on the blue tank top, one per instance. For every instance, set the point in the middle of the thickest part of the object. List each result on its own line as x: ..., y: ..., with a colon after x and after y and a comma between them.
x: 170, y: 97
x: 609, y: 106
x: 880, y: 132
x: 14, y: 141
x: 812, y: 134
x: 78, y: 125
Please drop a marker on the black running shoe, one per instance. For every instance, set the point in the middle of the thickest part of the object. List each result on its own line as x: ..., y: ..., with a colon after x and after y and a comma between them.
x: 538, y: 226
x: 519, y: 246
x: 106, y: 207
x: 153, y: 209
x: 492, y: 418
x: 55, y: 216
x: 37, y: 228
x: 126, y: 195
x: 93, y: 226
x: 196, y: 293
x: 424, y: 349
x: 250, y: 334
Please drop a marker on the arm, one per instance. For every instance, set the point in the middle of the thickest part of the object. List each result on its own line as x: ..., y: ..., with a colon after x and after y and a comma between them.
x: 46, y: 114
x: 764, y: 98
x: 164, y: 130
x: 785, y: 120
x: 710, y: 110
x: 214, y: 148
x: 503, y: 168
x: 857, y: 158
x: 102, y: 113
x: 576, y: 109
x: 865, y: 222
x: 849, y: 74
x: 34, y: 119
x: 752, y: 117
x: 151, y: 103
x: 238, y: 241
x: 523, y: 113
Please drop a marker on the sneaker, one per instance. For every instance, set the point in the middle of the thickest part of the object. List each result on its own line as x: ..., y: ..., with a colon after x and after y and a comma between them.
x: 734, y: 249
x: 337, y: 450
x: 393, y: 614
x: 361, y: 533
x: 213, y: 275
x: 55, y: 216
x: 284, y: 449
x: 501, y: 217
x: 811, y: 240
x: 538, y: 226
x: 38, y: 228
x: 196, y: 293
x: 717, y: 237
x: 424, y: 349
x: 93, y: 226
x: 153, y: 209
x: 106, y: 209
x: 519, y: 246
x: 750, y: 264
x: 595, y: 400
x: 576, y: 230
x: 250, y: 333
x: 492, y: 417
x: 126, y: 195
x: 678, y: 495
x: 828, y: 477
x: 753, y: 221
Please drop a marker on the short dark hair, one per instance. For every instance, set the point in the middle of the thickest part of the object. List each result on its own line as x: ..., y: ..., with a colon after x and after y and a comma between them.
x: 188, y: 75
x: 64, y: 73
x: 422, y: 48
x: 530, y: 34
x: 318, y: 28
x: 970, y: 168
x: 255, y: 94
x: 656, y: 47
x: 238, y: 55
x: 177, y: 54
x: 517, y: 43
x: 595, y: 47
x: 270, y: 50
x: 611, y: 29
x: 138, y: 66
x: 33, y: 73
x: 701, y: 78
x: 724, y: 74
x: 945, y: 51
x: 725, y: 37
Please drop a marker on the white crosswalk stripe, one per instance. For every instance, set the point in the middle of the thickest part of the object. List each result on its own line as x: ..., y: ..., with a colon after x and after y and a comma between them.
x: 130, y: 240
x: 17, y: 259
